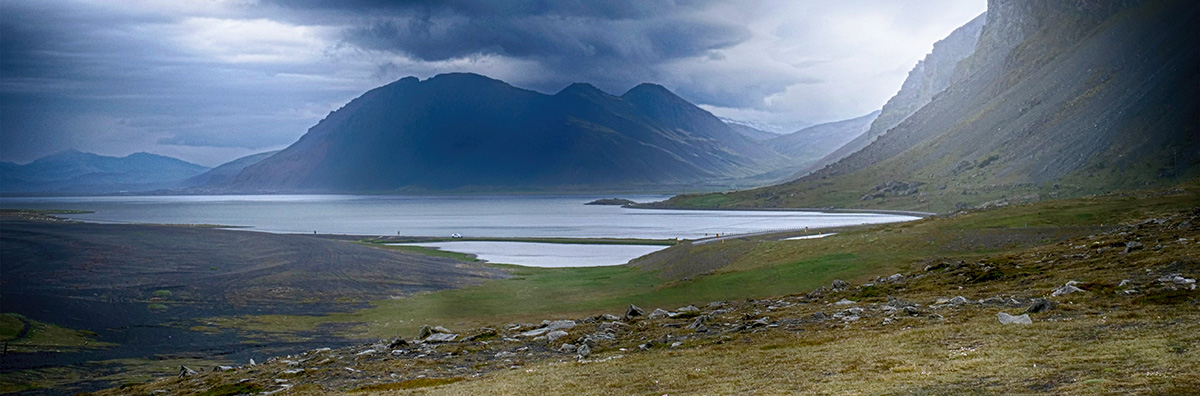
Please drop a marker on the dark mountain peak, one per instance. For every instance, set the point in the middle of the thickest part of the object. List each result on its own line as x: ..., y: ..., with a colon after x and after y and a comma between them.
x: 462, y: 80
x: 651, y: 91
x: 581, y: 89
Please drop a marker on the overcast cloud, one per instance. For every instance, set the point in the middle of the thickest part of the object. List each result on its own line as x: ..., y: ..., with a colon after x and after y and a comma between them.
x: 208, y: 80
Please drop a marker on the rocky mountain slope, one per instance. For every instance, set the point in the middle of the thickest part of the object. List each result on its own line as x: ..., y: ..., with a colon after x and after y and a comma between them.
x: 74, y: 172
x: 225, y: 172
x: 1057, y: 100
x: 466, y: 132
x: 928, y: 78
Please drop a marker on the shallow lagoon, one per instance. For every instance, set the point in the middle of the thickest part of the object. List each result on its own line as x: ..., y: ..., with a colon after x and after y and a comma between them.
x: 471, y: 216
x: 546, y: 255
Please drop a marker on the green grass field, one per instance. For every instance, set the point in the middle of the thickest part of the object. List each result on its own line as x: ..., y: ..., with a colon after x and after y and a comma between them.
x: 762, y: 268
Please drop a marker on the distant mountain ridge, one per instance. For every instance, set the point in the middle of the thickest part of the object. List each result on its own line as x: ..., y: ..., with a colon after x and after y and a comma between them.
x: 466, y: 132
x: 812, y: 143
x: 75, y: 172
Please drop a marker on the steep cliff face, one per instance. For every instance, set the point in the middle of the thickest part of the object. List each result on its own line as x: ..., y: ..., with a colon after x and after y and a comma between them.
x: 928, y: 78
x: 1059, y: 99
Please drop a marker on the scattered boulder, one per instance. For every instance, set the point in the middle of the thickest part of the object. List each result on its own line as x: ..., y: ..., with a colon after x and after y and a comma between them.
x: 610, y: 317
x: 959, y: 300
x: 555, y: 335
x: 634, y: 310
x: 1066, y: 289
x: 1005, y: 318
x: 1041, y: 305
x: 1177, y: 279
x: 844, y: 302
x: 818, y: 292
x: 696, y: 324
x: 440, y: 329
x: 397, y: 343
x: 219, y: 369
x: 184, y: 371
x: 689, y: 308
x: 441, y: 337
x: 994, y: 300
x: 895, y: 278
x: 839, y: 285
x: 659, y: 313
x: 535, y: 332
x: 898, y: 303
x: 583, y: 351
x: 819, y: 316
x: 560, y: 324
x: 567, y: 348
x: 1133, y: 245
x: 425, y: 331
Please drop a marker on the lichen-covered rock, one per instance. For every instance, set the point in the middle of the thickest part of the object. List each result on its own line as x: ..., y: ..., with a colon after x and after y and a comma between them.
x: 1005, y: 318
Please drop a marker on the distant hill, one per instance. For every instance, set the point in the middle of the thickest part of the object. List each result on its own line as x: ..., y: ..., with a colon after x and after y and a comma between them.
x: 225, y: 172
x: 74, y: 172
x: 753, y: 133
x: 1058, y: 99
x: 810, y: 144
x: 466, y: 132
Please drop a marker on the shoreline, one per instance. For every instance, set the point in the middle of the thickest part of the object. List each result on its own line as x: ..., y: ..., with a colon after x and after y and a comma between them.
x: 912, y: 213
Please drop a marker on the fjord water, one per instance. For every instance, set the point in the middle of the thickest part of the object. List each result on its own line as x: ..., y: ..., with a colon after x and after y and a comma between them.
x: 471, y: 216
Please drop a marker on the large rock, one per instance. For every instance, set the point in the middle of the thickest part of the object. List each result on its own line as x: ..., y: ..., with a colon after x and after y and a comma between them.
x: 584, y: 350
x: 441, y: 337
x: 560, y: 324
x: 1005, y: 318
x: 1041, y: 305
x: 634, y: 310
x: 555, y: 335
x: 959, y: 300
x: 659, y: 313
x: 1066, y: 289
x: 839, y: 285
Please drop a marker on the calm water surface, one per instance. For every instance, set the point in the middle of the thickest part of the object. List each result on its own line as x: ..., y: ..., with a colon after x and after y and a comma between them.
x: 546, y: 255
x: 472, y: 216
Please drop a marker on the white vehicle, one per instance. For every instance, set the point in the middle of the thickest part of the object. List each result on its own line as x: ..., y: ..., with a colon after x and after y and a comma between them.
x: 456, y: 235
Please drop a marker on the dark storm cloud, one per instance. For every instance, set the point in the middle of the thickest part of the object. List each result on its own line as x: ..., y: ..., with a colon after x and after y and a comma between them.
x: 209, y: 81
x: 612, y: 44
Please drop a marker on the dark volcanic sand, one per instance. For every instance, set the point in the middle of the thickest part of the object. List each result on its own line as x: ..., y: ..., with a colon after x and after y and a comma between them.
x: 102, y: 277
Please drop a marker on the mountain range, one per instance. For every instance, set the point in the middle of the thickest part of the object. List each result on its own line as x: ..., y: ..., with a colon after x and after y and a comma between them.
x: 75, y: 172
x: 1031, y: 100
x: 466, y: 132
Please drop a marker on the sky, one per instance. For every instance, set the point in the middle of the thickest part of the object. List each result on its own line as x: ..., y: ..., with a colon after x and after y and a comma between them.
x: 208, y: 81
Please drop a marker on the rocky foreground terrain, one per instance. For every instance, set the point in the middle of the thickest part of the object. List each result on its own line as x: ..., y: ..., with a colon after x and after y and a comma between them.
x: 1110, y: 312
